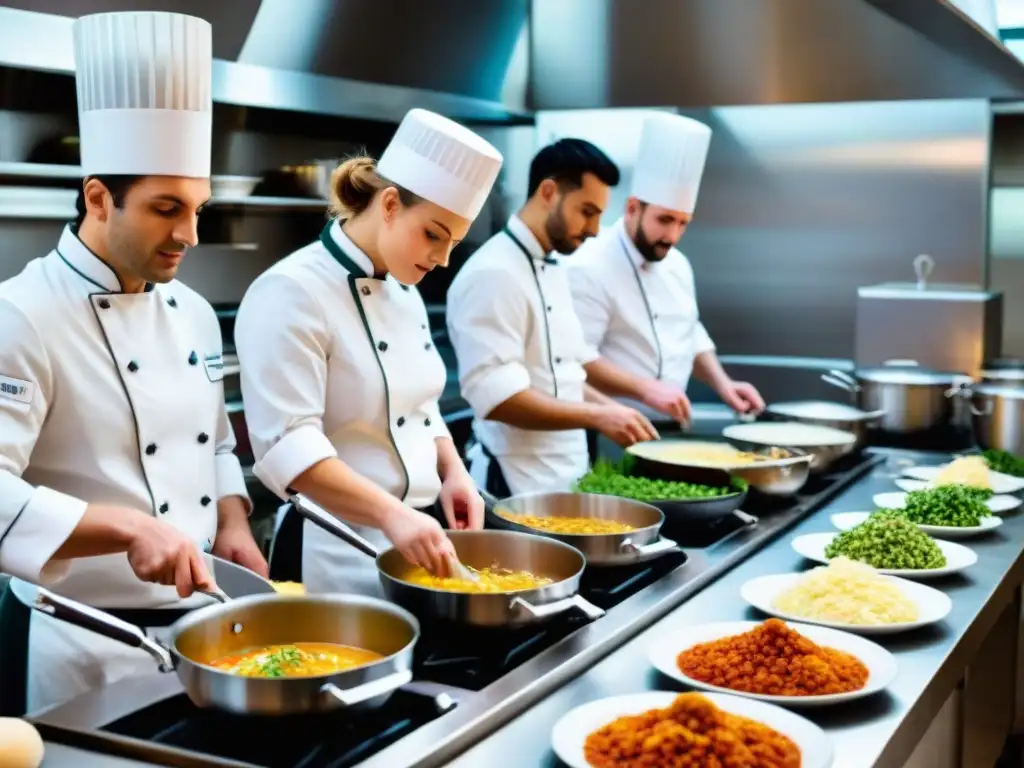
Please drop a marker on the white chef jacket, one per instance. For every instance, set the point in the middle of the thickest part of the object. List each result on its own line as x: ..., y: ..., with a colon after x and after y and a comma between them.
x: 642, y: 316
x: 336, y: 362
x: 513, y: 327
x: 106, y: 398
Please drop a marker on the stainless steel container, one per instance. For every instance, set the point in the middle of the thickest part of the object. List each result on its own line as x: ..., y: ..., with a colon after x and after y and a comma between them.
x: 997, y: 415
x: 826, y: 414
x: 1003, y: 371
x: 908, y: 397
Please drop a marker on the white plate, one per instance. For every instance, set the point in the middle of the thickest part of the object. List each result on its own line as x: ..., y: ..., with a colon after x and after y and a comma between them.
x: 932, y: 605
x: 1000, y: 483
x: 788, y: 434
x: 958, y: 557
x: 570, y: 732
x: 844, y: 521
x: 880, y: 663
x: 897, y: 500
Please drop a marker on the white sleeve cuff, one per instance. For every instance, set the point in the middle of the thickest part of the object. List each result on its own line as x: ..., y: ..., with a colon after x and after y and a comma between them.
x: 590, y: 354
x: 702, y: 341
x: 292, y: 455
x: 496, y: 386
x: 230, y: 478
x: 45, y: 523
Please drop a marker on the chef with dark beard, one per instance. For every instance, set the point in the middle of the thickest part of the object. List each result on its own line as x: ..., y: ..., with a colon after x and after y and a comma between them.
x: 634, y: 290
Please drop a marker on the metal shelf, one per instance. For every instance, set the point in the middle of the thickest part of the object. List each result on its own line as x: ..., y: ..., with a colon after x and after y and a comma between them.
x: 40, y: 171
x: 54, y: 203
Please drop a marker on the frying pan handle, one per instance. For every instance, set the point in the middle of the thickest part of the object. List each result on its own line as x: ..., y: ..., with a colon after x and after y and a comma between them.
x: 576, y: 602
x: 349, y: 697
x: 655, y: 548
x: 331, y: 524
x: 102, y: 623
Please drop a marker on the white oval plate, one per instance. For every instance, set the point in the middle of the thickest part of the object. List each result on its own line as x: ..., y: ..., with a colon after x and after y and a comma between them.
x: 932, y: 605
x: 880, y: 663
x: 1000, y: 483
x: 958, y: 557
x: 569, y: 734
x: 844, y: 521
x: 896, y: 500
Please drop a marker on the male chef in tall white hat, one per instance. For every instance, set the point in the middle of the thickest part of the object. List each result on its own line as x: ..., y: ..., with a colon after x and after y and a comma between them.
x: 634, y: 291
x: 116, y: 455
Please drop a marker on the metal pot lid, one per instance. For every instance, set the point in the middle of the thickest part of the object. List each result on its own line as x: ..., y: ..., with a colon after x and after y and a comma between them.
x: 819, y: 409
x: 907, y: 374
x: 998, y: 390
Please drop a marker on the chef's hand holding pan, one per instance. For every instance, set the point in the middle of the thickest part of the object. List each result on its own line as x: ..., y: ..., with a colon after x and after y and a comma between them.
x: 420, y: 539
x: 160, y: 553
x: 624, y: 425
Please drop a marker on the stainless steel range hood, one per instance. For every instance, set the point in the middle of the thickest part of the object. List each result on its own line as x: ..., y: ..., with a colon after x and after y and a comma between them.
x: 347, y: 58
x: 698, y: 53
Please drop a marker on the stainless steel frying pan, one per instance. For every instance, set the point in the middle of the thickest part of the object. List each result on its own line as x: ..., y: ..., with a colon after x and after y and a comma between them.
x: 642, y: 543
x: 481, y: 549
x: 219, y: 630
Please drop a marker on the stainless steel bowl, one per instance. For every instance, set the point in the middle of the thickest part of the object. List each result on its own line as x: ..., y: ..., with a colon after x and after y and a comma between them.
x: 753, y: 436
x: 824, y: 413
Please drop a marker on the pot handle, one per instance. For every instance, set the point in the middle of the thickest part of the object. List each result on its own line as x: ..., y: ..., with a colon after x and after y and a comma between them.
x: 841, y: 380
x: 654, y: 548
x: 986, y: 411
x: 102, y: 623
x: 923, y: 266
x: 576, y: 602
x: 349, y: 697
x: 332, y: 525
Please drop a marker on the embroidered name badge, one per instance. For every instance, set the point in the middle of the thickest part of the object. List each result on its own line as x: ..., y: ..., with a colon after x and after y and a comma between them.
x: 16, y: 389
x: 214, y: 365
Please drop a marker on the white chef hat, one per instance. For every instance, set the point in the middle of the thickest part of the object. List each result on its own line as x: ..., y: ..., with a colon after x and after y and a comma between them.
x: 144, y: 99
x: 441, y: 161
x: 670, y: 161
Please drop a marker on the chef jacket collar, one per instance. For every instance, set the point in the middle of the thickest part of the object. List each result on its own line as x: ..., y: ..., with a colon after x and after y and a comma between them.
x: 87, y: 264
x: 627, y: 243
x: 523, y: 234
x: 347, y: 253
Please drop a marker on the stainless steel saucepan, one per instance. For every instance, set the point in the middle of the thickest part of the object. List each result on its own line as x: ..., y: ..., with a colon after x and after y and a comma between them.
x: 510, y: 550
x: 216, y: 631
x: 642, y: 543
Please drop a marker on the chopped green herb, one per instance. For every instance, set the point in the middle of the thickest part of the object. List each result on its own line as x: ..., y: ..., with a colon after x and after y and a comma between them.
x: 1005, y: 462
x: 888, y: 541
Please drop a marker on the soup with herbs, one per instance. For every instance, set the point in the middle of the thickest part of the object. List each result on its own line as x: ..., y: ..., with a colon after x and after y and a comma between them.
x: 295, y: 660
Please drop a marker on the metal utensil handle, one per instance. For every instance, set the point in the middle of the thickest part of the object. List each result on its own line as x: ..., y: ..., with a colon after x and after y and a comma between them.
x: 654, y: 548
x: 349, y: 697
x: 332, y: 525
x: 835, y: 381
x: 923, y: 266
x: 555, y: 607
x: 490, y: 500
x: 981, y: 412
x: 102, y: 623
x: 216, y: 593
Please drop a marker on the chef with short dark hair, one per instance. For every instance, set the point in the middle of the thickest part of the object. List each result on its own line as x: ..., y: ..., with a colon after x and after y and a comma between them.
x: 634, y: 290
x: 116, y: 455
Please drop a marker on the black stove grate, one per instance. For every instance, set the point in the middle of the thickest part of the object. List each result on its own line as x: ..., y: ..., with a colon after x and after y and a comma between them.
x: 327, y: 740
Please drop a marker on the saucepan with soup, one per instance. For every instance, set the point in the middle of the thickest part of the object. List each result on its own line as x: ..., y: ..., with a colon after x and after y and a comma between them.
x: 608, y: 530
x: 517, y: 578
x: 272, y: 654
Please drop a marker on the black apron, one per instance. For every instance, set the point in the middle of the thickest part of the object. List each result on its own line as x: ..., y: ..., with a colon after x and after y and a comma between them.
x: 286, y: 551
x: 14, y: 621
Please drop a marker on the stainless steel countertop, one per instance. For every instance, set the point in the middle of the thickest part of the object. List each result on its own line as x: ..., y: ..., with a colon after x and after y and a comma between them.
x: 479, y: 714
x: 880, y: 731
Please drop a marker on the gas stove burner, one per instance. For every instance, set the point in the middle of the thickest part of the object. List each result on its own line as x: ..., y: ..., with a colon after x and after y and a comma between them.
x: 327, y: 740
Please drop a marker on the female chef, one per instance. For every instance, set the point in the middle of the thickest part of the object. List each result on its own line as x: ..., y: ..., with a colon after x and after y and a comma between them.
x: 340, y: 376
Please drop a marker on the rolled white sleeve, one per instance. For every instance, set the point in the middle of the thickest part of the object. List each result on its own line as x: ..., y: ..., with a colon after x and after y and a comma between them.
x: 282, y: 341
x: 702, y: 340
x: 593, y: 307
x: 486, y: 324
x: 34, y: 521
